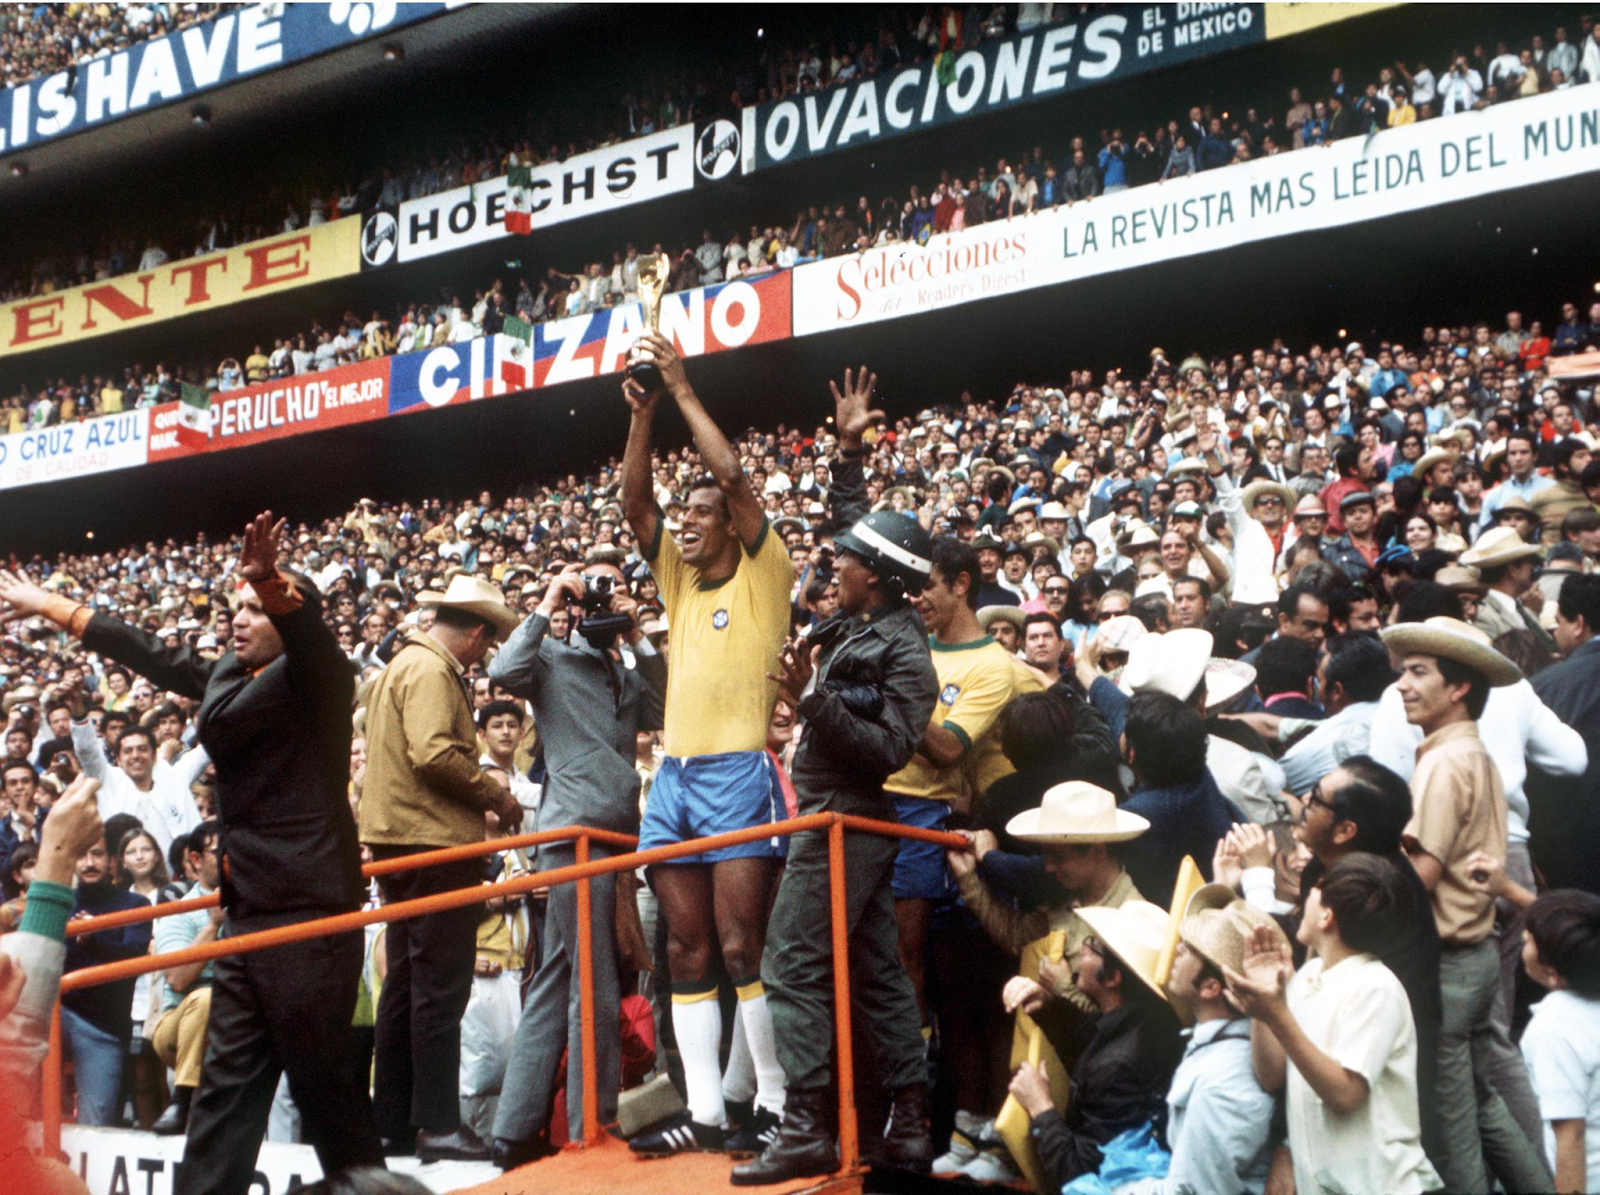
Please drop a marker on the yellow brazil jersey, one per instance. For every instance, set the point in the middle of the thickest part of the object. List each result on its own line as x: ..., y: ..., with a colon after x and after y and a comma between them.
x: 726, y: 637
x: 986, y: 763
x: 976, y: 679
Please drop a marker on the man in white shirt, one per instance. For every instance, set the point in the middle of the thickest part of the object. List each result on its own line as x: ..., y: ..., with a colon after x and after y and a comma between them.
x: 1460, y: 88
x: 140, y: 784
x: 500, y: 726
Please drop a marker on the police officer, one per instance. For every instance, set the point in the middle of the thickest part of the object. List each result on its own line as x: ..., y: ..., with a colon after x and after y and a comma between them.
x: 873, y: 695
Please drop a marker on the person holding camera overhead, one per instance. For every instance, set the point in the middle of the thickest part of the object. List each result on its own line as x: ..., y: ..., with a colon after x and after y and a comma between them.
x: 589, y: 706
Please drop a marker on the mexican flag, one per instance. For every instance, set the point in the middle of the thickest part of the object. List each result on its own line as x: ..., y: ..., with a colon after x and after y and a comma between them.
x: 520, y: 332
x: 194, y: 416
x: 519, y: 200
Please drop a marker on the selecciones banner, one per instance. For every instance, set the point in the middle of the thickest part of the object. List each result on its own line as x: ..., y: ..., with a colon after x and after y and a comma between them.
x: 243, y: 41
x: 184, y: 287
x: 601, y: 180
x: 1114, y: 42
x: 1518, y: 144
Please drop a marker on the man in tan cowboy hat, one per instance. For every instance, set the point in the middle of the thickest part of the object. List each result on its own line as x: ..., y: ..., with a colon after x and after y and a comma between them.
x: 1505, y: 564
x: 1125, y: 1068
x: 1310, y: 521
x: 1218, y: 1117
x: 1077, y: 826
x: 424, y: 790
x: 1447, y: 668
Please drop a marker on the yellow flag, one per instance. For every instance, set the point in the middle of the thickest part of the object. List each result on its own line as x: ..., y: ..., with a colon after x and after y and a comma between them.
x: 1189, y: 882
x: 1011, y: 1125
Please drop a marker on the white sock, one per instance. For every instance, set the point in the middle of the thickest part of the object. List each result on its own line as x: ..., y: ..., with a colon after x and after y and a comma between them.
x: 763, y: 1046
x: 697, y: 1023
x: 739, y: 1078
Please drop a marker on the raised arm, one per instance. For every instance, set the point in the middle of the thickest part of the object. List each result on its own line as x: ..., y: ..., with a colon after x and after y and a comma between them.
x: 638, y: 502
x: 721, y: 461
x: 180, y: 670
x: 522, y: 662
x: 853, y: 414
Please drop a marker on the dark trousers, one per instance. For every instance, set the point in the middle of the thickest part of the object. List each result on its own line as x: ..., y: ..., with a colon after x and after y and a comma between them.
x: 287, y: 1009
x: 797, y: 967
x: 551, y: 1015
x: 418, y: 1039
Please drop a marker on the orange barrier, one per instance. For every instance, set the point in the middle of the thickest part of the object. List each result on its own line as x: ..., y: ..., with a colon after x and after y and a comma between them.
x: 380, y: 867
x: 580, y: 873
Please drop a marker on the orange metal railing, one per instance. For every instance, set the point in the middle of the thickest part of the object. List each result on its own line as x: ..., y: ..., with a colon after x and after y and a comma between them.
x: 580, y: 872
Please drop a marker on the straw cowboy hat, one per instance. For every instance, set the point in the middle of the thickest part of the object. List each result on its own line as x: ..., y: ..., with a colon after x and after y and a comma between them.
x: 1053, y: 511
x: 1226, y: 679
x: 1257, y: 490
x: 1189, y: 464
x: 1516, y: 504
x: 1120, y: 633
x: 479, y: 598
x: 1173, y: 663
x: 1040, y: 540
x: 1462, y: 579
x: 1136, y: 932
x: 1452, y: 639
x: 1076, y: 812
x: 1138, y: 535
x: 1499, y: 545
x: 1310, y: 507
x: 1217, y: 925
x: 990, y: 615
x: 1434, y: 456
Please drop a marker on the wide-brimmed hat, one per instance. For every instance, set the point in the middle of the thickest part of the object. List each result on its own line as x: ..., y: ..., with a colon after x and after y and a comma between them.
x: 1053, y: 510
x: 1076, y: 812
x: 1024, y: 503
x: 1225, y: 680
x: 1452, y: 639
x: 1217, y: 925
x: 1516, y: 504
x: 1120, y: 633
x: 989, y: 615
x: 1462, y: 579
x: 1499, y: 545
x: 1136, y: 932
x: 479, y: 598
x: 1310, y: 507
x: 1040, y: 540
x: 1257, y: 490
x: 1186, y: 510
x: 1434, y: 456
x: 1173, y: 663
x: 985, y: 539
x: 1189, y: 464
x: 1137, y: 535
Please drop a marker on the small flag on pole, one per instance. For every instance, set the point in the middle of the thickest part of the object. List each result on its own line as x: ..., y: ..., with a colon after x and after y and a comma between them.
x: 194, y: 416
x: 519, y: 200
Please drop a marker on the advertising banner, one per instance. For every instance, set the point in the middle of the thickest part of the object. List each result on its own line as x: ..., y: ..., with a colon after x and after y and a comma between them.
x: 1405, y: 169
x: 74, y: 449
x: 706, y: 320
x: 180, y: 288
x: 599, y: 181
x: 1116, y: 41
x: 452, y: 373
x: 241, y: 42
x: 287, y: 407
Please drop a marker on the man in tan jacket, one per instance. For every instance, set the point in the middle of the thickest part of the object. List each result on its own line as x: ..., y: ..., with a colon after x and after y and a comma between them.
x: 424, y: 789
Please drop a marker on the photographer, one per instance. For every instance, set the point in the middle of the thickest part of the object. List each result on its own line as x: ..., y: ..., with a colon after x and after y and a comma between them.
x: 1460, y: 88
x: 589, y: 706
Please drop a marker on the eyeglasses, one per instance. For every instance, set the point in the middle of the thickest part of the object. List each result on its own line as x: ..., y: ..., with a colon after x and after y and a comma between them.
x: 1315, y: 798
x: 1107, y: 615
x: 1269, y: 500
x: 1056, y: 590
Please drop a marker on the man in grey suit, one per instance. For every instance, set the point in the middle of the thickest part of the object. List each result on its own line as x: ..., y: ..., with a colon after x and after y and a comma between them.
x: 588, y: 706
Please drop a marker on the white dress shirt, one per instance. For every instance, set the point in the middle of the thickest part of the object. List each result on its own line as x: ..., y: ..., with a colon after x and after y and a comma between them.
x: 167, y: 810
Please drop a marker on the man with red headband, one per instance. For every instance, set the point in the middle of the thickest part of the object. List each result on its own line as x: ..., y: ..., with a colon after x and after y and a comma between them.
x: 274, y: 714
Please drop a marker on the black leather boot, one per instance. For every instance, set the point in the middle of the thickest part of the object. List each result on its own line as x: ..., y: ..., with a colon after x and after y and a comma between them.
x: 804, y: 1146
x: 175, y: 1119
x: 906, y: 1142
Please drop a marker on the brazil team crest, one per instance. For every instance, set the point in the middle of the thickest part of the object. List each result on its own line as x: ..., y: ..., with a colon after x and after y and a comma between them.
x: 719, y: 620
x: 948, y: 694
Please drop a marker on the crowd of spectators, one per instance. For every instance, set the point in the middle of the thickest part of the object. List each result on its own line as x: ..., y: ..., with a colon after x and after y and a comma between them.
x: 1206, y: 136
x: 1193, y: 560
x: 41, y: 39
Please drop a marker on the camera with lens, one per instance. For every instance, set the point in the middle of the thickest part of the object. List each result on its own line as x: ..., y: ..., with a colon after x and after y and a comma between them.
x: 601, y: 624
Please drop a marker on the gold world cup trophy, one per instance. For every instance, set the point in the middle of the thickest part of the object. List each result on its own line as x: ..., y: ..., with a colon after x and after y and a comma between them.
x: 652, y: 286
